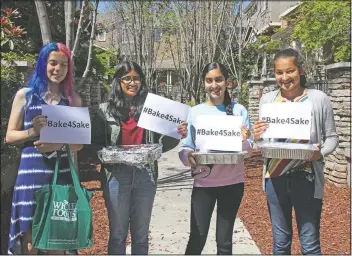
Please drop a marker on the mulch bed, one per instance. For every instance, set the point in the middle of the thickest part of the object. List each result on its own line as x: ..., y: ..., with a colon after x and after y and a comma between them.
x: 6, y: 203
x: 100, y: 221
x: 90, y: 175
x: 335, y: 222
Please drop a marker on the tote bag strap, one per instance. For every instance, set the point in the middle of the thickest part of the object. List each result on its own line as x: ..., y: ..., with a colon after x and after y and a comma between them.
x: 76, y: 183
x: 56, y: 171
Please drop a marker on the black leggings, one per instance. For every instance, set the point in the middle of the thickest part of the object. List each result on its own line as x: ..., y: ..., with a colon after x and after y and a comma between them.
x: 202, y: 205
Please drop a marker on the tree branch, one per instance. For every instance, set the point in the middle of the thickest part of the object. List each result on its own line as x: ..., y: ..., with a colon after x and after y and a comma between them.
x: 43, y: 21
x: 92, y: 35
x: 79, y: 29
x: 69, y: 16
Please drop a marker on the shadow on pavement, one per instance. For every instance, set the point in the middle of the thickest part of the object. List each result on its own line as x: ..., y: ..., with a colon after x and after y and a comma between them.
x: 181, y: 180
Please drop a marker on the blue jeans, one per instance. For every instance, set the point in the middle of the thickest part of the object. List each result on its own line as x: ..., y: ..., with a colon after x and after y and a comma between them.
x: 129, y: 197
x: 294, y: 190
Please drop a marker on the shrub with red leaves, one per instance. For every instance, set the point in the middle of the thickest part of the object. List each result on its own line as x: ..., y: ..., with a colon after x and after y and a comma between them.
x: 9, y: 31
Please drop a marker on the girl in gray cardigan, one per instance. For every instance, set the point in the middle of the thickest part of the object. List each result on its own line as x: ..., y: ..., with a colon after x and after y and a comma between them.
x: 295, y: 183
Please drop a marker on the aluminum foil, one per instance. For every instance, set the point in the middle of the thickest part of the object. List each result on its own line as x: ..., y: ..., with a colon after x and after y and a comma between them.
x: 135, y: 155
x: 286, y: 150
x: 220, y: 157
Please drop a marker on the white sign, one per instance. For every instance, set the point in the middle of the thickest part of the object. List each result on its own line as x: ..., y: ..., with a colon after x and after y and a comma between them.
x: 162, y: 115
x: 218, y: 133
x: 290, y: 120
x: 66, y: 124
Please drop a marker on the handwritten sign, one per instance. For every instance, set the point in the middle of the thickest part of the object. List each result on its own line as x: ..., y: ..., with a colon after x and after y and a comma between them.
x: 163, y: 115
x: 66, y: 124
x: 218, y: 133
x: 291, y: 120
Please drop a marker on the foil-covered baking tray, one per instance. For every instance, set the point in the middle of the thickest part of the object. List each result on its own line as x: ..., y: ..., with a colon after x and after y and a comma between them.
x: 220, y: 157
x: 135, y: 155
x: 286, y: 150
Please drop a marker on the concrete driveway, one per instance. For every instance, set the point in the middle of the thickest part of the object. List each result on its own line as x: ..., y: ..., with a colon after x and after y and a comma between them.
x: 170, y: 221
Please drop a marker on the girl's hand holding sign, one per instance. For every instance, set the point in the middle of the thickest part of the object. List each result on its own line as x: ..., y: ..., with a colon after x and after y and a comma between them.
x: 245, y: 133
x: 38, y: 123
x: 317, y: 154
x: 260, y: 127
x: 182, y: 129
x: 44, y: 147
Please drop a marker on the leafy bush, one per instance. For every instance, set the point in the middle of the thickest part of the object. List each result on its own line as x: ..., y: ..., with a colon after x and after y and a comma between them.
x: 325, y: 24
x: 10, y: 33
x: 191, y: 103
x: 243, y: 96
x: 11, y: 81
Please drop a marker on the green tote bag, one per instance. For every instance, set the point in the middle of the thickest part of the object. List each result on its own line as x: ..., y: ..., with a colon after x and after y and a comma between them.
x: 63, y: 216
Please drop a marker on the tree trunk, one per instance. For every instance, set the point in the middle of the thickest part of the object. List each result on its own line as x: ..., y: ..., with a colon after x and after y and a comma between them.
x: 69, y: 29
x: 69, y: 17
x: 240, y: 43
x: 92, y: 35
x: 79, y: 29
x: 43, y: 21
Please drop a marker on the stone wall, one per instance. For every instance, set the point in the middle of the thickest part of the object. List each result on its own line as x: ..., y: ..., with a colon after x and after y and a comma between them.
x: 338, y: 77
x: 255, y: 90
x: 91, y: 98
x: 348, y: 158
x: 339, y: 80
x: 91, y: 95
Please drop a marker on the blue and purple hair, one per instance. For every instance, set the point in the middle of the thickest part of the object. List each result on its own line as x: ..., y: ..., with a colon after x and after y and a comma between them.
x: 38, y: 82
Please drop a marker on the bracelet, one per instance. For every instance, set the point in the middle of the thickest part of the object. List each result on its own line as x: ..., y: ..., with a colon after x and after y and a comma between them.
x: 54, y: 153
x: 51, y: 155
x: 29, y: 134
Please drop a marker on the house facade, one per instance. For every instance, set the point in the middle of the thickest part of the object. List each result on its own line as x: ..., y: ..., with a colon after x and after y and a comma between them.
x: 264, y: 17
x: 114, y: 33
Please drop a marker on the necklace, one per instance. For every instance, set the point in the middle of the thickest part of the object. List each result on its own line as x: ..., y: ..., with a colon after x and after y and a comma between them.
x: 132, y: 110
x: 51, y: 97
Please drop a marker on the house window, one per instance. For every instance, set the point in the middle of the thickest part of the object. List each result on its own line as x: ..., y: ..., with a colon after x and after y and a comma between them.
x: 248, y: 34
x: 157, y: 34
x: 101, y: 36
x: 78, y: 4
x: 162, y: 78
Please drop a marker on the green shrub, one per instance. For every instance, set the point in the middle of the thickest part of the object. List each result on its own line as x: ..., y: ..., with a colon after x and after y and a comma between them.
x: 11, y: 81
x: 243, y: 96
x: 191, y: 103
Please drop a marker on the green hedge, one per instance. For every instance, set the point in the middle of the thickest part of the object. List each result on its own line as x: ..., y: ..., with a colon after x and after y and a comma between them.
x: 11, y: 81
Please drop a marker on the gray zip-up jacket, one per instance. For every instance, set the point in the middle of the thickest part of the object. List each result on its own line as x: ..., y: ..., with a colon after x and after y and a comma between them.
x: 323, y: 132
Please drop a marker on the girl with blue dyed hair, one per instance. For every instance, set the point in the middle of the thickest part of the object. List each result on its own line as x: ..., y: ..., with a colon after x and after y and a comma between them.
x: 51, y: 83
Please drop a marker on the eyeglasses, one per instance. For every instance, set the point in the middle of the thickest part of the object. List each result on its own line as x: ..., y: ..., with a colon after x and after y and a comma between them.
x: 128, y: 79
x: 218, y: 80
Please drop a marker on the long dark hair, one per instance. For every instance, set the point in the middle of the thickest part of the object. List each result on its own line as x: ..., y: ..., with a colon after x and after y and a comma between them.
x: 118, y: 105
x: 298, y: 60
x: 227, y: 99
